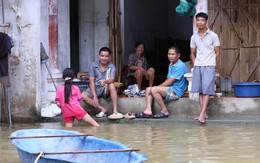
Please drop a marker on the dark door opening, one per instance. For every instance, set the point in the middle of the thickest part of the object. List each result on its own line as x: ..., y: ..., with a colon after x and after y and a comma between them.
x: 74, y: 35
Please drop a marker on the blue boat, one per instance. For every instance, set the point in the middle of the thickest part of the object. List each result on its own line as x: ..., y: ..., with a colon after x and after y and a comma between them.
x: 63, y: 146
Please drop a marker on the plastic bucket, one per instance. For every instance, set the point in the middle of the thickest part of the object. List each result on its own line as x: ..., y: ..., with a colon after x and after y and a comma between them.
x: 247, y: 89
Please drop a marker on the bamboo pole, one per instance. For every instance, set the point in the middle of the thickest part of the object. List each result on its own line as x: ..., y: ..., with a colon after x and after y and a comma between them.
x: 115, y: 42
x: 119, y: 40
x: 48, y: 136
x: 1, y: 95
x: 90, y: 151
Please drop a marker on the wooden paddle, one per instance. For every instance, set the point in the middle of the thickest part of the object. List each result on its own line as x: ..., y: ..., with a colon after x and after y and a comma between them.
x: 47, y: 136
x: 93, y: 151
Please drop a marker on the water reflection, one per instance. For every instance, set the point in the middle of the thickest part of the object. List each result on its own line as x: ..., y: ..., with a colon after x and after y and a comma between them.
x: 164, y: 142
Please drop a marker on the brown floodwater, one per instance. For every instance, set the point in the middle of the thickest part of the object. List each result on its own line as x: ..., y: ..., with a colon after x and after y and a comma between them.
x: 163, y: 142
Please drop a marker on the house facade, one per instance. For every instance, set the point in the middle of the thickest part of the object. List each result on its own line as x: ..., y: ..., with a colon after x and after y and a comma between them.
x: 72, y: 32
x: 29, y: 23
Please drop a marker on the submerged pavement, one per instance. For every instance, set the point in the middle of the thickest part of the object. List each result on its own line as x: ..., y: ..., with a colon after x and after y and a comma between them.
x: 242, y: 120
x: 227, y: 109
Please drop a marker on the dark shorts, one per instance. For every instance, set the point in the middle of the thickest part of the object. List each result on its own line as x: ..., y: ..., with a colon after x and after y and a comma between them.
x: 101, y: 92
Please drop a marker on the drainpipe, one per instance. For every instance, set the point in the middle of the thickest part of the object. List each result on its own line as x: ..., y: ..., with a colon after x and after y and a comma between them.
x: 53, y: 34
x: 3, y: 13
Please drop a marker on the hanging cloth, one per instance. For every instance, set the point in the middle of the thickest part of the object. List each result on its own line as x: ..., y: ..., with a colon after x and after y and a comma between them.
x: 186, y: 7
x: 5, y: 48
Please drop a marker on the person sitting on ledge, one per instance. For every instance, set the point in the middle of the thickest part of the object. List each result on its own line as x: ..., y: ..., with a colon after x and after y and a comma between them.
x: 171, y: 89
x: 101, y: 81
x: 138, y: 66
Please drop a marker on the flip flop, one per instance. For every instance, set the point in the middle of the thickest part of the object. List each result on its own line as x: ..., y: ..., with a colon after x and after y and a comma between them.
x: 116, y: 116
x: 142, y: 115
x: 101, y: 115
x: 129, y: 115
x: 160, y: 115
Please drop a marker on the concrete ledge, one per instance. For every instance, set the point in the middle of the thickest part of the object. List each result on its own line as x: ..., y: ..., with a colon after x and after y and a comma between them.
x: 221, y: 110
x: 232, y: 106
x: 185, y: 107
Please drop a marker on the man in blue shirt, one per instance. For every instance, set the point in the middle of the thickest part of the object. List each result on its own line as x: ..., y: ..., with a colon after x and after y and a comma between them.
x: 171, y: 89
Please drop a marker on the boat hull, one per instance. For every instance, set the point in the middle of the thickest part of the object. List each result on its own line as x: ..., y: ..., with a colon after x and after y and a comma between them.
x: 27, y: 148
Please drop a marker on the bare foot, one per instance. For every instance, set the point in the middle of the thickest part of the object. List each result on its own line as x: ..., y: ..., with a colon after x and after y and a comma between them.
x: 202, y: 120
x: 205, y: 117
x: 197, y: 118
x: 147, y: 112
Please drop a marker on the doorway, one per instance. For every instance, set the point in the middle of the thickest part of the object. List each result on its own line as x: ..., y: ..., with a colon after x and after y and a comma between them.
x: 74, y: 35
x: 159, y: 26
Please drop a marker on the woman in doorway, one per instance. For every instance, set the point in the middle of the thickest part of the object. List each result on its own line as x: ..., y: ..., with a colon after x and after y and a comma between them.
x: 138, y: 66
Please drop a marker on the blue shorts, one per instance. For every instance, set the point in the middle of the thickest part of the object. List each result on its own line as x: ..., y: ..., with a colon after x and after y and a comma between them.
x: 203, y: 80
x: 171, y: 95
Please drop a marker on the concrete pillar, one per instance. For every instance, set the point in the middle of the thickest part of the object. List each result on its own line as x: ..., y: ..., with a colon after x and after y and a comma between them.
x: 87, y: 33
x: 64, y: 34
x: 93, y: 30
x: 25, y: 58
x: 101, y: 26
x: 202, y: 6
x: 55, y: 35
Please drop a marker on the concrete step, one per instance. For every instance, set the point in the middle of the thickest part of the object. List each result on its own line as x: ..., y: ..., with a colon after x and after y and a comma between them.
x: 225, y: 110
x: 185, y: 107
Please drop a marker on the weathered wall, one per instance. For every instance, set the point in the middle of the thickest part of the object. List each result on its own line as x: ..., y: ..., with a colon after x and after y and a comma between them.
x: 25, y: 58
x: 31, y: 86
x: 44, y: 35
x: 47, y: 86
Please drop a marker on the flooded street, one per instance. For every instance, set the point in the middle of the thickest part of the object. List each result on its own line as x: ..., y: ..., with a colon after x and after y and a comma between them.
x: 164, y: 142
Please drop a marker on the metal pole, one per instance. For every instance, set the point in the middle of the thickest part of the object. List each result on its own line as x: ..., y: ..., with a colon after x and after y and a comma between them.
x: 1, y: 86
x: 3, y: 13
x: 9, y: 107
x: 1, y: 95
x: 45, y: 63
x: 7, y: 104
